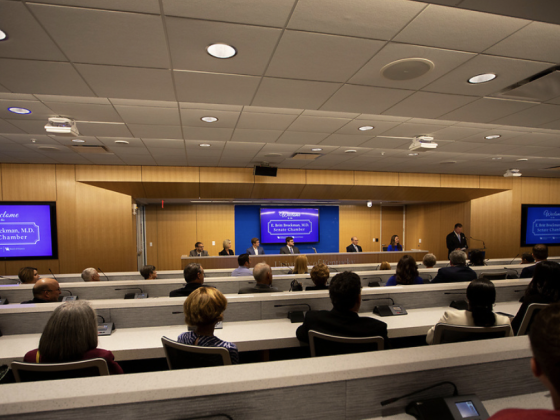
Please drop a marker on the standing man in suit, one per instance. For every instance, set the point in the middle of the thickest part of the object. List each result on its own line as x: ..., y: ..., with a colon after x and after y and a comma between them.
x: 289, y: 248
x: 354, y: 247
x: 456, y: 239
x: 198, y: 250
x: 458, y: 270
x: 255, y: 249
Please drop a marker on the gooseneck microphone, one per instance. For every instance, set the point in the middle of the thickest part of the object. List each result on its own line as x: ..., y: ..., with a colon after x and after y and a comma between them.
x: 480, y: 240
x: 99, y: 269
x: 140, y: 295
x: 511, y: 262
x: 392, y: 400
x: 100, y: 316
x: 52, y: 274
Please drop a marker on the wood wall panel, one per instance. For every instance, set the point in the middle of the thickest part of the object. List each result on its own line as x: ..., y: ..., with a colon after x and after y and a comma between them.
x: 215, y: 223
x: 108, y: 173
x: 288, y: 183
x: 226, y: 183
x: 535, y: 190
x: 392, y: 224
x: 460, y: 181
x: 176, y: 235
x: 66, y: 218
x: 28, y: 182
x: 376, y: 178
x: 170, y: 174
x: 42, y: 266
x: 496, y: 182
x: 319, y: 177
x: 419, y: 180
x: 152, y: 243
x: 362, y: 222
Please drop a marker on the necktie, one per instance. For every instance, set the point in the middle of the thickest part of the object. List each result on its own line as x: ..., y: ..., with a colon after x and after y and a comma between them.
x: 291, y: 250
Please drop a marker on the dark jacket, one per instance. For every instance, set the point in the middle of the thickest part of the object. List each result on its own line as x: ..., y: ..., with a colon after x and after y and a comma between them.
x: 286, y: 250
x: 454, y: 274
x: 453, y: 242
x: 259, y: 288
x: 350, y: 248
x: 324, y: 287
x: 186, y: 290
x: 226, y: 252
x: 37, y: 300
x: 251, y: 250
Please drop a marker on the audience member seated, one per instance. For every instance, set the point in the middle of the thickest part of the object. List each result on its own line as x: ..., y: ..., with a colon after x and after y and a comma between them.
x: 243, y: 269
x: 458, y: 270
x: 198, y: 250
x: 194, y: 276
x: 429, y: 260
x: 544, y: 288
x: 45, y: 290
x: 527, y: 258
x: 395, y: 244
x: 71, y: 335
x: 149, y: 272
x: 481, y: 295
x: 477, y: 258
x: 319, y: 276
x: 255, y: 248
x: 407, y: 272
x: 90, y: 274
x: 227, y: 248
x: 300, y: 266
x: 28, y: 275
x: 204, y: 308
x: 343, y: 320
x: 263, y: 275
x: 540, y: 253
x: 545, y: 365
x: 385, y: 265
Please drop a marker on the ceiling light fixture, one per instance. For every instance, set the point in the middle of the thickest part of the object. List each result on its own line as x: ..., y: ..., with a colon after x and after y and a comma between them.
x: 204, y: 145
x: 497, y: 158
x: 422, y: 144
x: 493, y: 136
x: 413, y: 154
x: 17, y: 110
x: 209, y: 119
x: 78, y: 141
x: 317, y: 150
x: 221, y: 51
x: 366, y: 128
x: 512, y: 172
x: 3, y: 35
x: 482, y: 78
x: 121, y: 142
x: 61, y: 125
x: 369, y: 204
x: 350, y: 151
x: 522, y: 160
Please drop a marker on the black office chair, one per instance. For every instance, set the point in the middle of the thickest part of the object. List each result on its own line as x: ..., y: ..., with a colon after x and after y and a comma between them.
x: 31, y: 372
x: 385, y: 248
x: 496, y: 275
x: 184, y: 356
x: 447, y: 333
x: 532, y: 311
x: 426, y: 278
x: 322, y: 344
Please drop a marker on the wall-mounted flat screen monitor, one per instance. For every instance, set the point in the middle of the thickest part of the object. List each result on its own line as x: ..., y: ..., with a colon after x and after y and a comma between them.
x: 28, y: 230
x: 540, y: 224
x: 300, y: 223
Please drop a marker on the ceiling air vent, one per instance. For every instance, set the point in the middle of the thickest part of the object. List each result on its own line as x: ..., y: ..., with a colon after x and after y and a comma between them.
x: 540, y: 88
x: 91, y: 149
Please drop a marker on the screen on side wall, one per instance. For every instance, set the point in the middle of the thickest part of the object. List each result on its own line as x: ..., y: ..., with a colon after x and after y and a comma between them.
x: 300, y: 223
x: 28, y: 231
x: 540, y: 224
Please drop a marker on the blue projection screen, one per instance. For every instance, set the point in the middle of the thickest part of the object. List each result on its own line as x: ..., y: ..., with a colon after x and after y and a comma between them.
x: 300, y: 223
x: 28, y: 231
x: 540, y: 224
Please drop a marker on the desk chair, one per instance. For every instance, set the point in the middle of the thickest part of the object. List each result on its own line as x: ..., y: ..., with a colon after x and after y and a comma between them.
x: 426, y: 278
x: 322, y: 344
x: 447, y: 333
x: 184, y: 356
x: 532, y: 311
x: 496, y: 275
x: 31, y: 372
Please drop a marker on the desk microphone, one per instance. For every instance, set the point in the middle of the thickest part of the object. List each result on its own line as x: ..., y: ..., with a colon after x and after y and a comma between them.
x: 314, y: 249
x: 52, y: 274
x: 4, y: 301
x: 458, y: 304
x: 392, y: 400
x: 71, y: 297
x: 140, y: 295
x: 105, y: 328
x: 294, y: 316
x: 176, y: 312
x: 511, y: 262
x: 375, y: 283
x: 99, y: 269
x: 386, y: 310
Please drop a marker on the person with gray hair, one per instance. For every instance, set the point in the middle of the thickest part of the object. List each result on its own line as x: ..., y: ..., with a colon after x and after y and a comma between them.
x: 263, y: 275
x: 429, y: 260
x: 227, y: 248
x: 458, y: 270
x: 194, y: 276
x: 71, y: 335
x: 90, y: 274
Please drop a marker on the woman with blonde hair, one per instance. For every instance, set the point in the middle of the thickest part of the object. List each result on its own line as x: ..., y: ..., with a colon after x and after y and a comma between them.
x: 203, y: 309
x: 300, y: 266
x: 319, y: 276
x: 71, y: 335
x: 227, y: 248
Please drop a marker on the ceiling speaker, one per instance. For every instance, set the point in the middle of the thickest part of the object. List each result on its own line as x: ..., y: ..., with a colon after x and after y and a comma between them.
x: 265, y: 171
x: 407, y: 69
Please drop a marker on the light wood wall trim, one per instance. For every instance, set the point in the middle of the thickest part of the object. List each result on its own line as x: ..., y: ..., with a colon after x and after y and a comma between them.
x: 320, y: 177
x: 460, y: 181
x: 107, y: 173
x: 66, y: 218
x: 376, y: 178
x: 170, y: 174
x: 419, y: 180
x: 499, y: 182
x: 535, y: 190
x: 134, y: 189
x: 227, y: 175
x: 28, y: 182
x: 284, y: 176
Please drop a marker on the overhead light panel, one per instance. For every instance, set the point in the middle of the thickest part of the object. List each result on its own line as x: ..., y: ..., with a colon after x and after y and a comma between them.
x: 369, y: 204
x: 221, y: 51
x: 512, y: 172
x: 3, y: 35
x: 21, y: 111
x: 317, y: 150
x: 366, y: 128
x: 78, y: 141
x: 209, y: 119
x: 482, y: 78
x: 422, y: 144
x: 204, y: 145
x: 62, y: 126
x: 350, y: 151
x: 493, y: 136
x: 121, y: 142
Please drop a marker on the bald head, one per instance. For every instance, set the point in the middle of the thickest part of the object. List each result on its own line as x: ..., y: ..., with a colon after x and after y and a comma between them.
x: 47, y: 289
x: 262, y: 273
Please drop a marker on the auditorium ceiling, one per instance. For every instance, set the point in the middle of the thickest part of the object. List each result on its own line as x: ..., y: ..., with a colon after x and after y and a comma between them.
x: 137, y: 78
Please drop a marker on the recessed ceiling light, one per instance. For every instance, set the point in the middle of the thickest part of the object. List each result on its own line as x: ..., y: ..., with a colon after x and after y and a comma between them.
x: 17, y: 110
x: 350, y: 151
x: 522, y: 160
x: 493, y: 136
x: 221, y: 50
x: 425, y: 138
x: 366, y: 128
x: 496, y: 158
x: 209, y: 119
x: 3, y: 35
x: 413, y: 154
x: 481, y: 78
x: 204, y: 145
x: 121, y: 142
x: 316, y: 150
x: 78, y: 141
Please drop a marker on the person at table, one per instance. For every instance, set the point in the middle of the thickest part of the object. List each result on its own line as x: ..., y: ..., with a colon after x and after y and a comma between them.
x: 289, y: 248
x: 429, y: 260
x: 527, y: 258
x: 149, y: 272
x: 395, y: 244
x: 476, y: 258
x: 255, y: 248
x: 300, y: 266
x: 203, y: 309
x: 71, y: 335
x: 319, y: 276
x: 198, y: 250
x: 458, y: 270
x: 456, y: 239
x: 227, y: 248
x: 354, y: 247
x: 544, y: 288
x: 544, y: 338
x: 540, y: 253
x: 407, y: 273
x: 44, y: 291
x: 28, y: 275
x: 244, y: 266
x: 343, y: 320
x: 194, y: 276
x: 262, y: 273
x: 481, y: 296
x: 385, y: 265
x: 90, y: 274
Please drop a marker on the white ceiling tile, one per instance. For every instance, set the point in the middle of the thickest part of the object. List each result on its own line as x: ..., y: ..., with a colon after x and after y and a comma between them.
x: 85, y: 112
x: 554, y: 125
x: 295, y: 137
x: 101, y: 37
x: 532, y: 117
x: 307, y: 148
x: 7, y: 127
x: 214, y: 145
x: 507, y: 136
x: 146, y: 103
x: 534, y: 139
x: 171, y: 160
x: 456, y: 132
x: 141, y: 6
x: 252, y: 135
x: 526, y: 151
x: 149, y: 115
x: 192, y: 118
x: 73, y: 99
x: 138, y: 160
x: 158, y: 144
x: 485, y: 110
x: 378, y: 127
x: 18, y: 96
x: 168, y: 152
x: 318, y: 124
x: 104, y: 130
x: 428, y: 105
x: 280, y: 148
x: 29, y: 126
x: 262, y: 121
x: 203, y: 133
x: 411, y: 130
x: 364, y: 99
x: 385, y: 143
x: 156, y: 131
x: 67, y: 141
x: 293, y: 93
x: 133, y: 144
x: 271, y: 110
x: 344, y: 140
x: 104, y: 159
x: 208, y: 106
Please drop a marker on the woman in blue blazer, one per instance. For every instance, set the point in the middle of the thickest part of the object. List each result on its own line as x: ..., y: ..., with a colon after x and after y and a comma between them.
x: 395, y: 244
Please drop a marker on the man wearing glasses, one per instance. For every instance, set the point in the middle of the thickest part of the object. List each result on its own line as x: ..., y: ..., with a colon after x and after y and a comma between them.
x: 45, y: 290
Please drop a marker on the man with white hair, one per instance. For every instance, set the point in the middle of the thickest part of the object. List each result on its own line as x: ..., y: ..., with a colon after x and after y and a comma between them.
x: 90, y: 274
x: 458, y: 270
x: 263, y: 275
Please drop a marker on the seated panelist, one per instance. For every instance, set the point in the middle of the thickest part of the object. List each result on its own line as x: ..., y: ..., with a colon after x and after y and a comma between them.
x: 255, y: 248
x: 198, y: 250
x: 354, y: 247
x: 289, y: 248
x: 227, y: 248
x: 395, y: 244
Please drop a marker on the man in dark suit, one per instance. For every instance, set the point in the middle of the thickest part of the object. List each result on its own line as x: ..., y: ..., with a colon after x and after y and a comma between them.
x: 255, y: 249
x: 343, y: 320
x: 456, y: 239
x: 194, y: 276
x: 289, y: 248
x: 45, y: 290
x: 263, y: 275
x: 540, y: 253
x: 198, y: 250
x: 354, y: 247
x: 458, y: 270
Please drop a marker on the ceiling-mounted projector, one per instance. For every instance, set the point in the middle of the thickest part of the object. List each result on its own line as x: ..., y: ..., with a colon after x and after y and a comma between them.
x: 62, y: 126
x: 422, y: 144
x: 512, y: 172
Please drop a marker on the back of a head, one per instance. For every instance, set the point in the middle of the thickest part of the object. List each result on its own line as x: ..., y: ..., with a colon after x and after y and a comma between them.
x: 540, y: 252
x: 344, y: 290
x: 320, y: 274
x: 300, y: 267
x: 242, y: 259
x: 481, y: 294
x: 191, y: 272
x: 70, y: 332
x: 88, y: 273
x: 477, y: 258
x: 544, y: 336
x: 27, y: 274
x: 407, y: 270
x: 546, y: 281
x: 147, y: 270
x: 204, y: 306
x: 527, y: 258
x: 43, y: 285
x: 458, y: 257
x: 385, y: 265
x: 429, y: 260
x: 260, y: 273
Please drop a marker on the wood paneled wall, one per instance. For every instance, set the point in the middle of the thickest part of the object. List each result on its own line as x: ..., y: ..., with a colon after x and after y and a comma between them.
x: 392, y: 221
x: 362, y: 222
